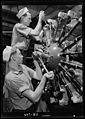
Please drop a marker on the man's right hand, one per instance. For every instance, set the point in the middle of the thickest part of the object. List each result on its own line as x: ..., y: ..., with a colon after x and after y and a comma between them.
x: 41, y: 15
x: 49, y: 75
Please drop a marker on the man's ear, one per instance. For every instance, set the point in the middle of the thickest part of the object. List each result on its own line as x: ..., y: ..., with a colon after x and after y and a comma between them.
x: 22, y: 17
x: 13, y: 57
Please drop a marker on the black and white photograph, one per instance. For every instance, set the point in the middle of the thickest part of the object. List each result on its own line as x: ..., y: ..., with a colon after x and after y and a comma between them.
x: 42, y: 60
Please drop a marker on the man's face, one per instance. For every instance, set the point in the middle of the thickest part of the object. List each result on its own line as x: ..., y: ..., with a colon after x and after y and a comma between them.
x: 18, y: 57
x: 27, y: 19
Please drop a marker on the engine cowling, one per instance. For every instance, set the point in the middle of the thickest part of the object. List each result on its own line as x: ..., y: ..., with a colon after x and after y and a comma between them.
x: 54, y: 51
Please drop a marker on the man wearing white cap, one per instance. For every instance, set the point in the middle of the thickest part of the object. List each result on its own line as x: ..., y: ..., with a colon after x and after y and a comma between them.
x: 18, y: 82
x: 22, y: 31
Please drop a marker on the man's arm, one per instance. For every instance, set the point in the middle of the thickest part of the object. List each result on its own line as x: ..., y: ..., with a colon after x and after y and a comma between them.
x: 29, y: 31
x: 33, y: 73
x: 35, y: 95
x: 38, y: 27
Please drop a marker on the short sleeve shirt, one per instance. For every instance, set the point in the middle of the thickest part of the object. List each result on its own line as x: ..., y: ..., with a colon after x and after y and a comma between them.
x: 16, y: 83
x: 20, y: 34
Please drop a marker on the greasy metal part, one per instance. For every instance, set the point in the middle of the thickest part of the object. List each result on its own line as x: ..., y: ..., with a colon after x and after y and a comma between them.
x: 43, y: 64
x: 72, y: 64
x: 71, y: 53
x: 74, y: 82
x: 68, y: 34
x: 61, y: 63
x: 72, y: 44
x: 65, y: 84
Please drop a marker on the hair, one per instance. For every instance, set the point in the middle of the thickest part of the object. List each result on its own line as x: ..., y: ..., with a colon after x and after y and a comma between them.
x: 13, y: 51
x: 25, y: 15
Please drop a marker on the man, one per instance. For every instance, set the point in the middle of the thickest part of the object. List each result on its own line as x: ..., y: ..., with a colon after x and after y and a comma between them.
x: 18, y: 82
x: 22, y: 31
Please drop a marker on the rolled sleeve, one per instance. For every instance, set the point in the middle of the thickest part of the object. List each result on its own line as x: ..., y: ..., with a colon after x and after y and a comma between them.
x: 18, y: 85
x: 31, y: 72
x: 23, y: 88
x: 23, y: 29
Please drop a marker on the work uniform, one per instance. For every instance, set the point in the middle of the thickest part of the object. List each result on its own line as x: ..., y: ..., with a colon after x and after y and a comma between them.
x: 20, y: 34
x: 16, y: 83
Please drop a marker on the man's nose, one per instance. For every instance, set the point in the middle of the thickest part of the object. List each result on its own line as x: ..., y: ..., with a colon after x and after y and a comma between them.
x: 22, y: 56
x: 30, y: 20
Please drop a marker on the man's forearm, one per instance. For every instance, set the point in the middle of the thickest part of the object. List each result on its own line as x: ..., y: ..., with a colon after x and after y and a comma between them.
x: 37, y: 29
x: 39, y: 89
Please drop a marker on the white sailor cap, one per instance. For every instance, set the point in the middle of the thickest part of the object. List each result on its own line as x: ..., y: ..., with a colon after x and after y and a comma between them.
x: 22, y: 12
x: 6, y: 53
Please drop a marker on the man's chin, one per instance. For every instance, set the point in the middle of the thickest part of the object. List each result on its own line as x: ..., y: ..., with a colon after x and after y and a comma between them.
x: 21, y: 62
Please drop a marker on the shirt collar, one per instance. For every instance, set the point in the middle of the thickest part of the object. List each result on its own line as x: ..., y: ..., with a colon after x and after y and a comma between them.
x: 18, y: 72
